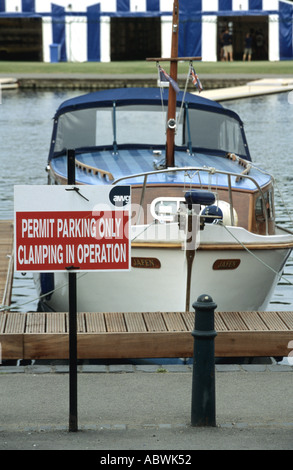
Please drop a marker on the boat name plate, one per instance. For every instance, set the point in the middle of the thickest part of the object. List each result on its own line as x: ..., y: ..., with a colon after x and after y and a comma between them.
x: 225, y: 264
x: 145, y: 263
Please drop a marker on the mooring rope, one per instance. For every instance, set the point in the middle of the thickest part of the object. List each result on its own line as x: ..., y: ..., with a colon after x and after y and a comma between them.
x: 252, y: 254
x: 4, y: 308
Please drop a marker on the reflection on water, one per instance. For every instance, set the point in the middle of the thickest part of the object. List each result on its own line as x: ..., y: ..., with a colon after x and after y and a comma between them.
x: 25, y: 132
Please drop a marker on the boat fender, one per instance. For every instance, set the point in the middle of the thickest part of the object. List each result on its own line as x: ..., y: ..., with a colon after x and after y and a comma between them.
x: 201, y: 197
x: 222, y: 210
x: 226, y: 209
x: 211, y: 214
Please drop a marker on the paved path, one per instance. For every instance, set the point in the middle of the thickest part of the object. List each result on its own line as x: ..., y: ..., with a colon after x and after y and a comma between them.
x: 126, y: 407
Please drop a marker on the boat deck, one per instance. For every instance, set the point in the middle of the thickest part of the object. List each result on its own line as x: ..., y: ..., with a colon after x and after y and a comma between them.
x: 142, y: 335
x: 137, y: 161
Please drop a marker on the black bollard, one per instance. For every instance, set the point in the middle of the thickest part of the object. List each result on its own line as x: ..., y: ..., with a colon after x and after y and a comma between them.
x: 203, y: 407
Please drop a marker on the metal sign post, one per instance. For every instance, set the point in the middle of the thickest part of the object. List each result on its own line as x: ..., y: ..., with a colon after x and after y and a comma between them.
x: 73, y: 427
x: 73, y: 422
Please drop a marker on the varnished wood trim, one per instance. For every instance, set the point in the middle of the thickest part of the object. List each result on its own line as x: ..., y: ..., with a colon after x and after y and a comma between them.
x: 92, y: 169
x: 252, y: 246
x: 217, y: 247
x: 156, y: 245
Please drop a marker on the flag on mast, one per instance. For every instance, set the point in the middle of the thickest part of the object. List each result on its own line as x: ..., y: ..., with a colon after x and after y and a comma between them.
x: 164, y: 76
x: 195, y: 80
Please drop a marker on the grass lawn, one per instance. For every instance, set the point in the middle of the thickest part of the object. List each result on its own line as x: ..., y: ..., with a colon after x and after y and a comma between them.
x: 113, y: 68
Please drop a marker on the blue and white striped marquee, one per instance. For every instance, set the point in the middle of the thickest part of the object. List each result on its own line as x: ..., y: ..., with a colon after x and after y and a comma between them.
x: 82, y: 27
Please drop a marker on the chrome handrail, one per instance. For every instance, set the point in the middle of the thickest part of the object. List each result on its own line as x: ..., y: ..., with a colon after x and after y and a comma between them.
x: 210, y: 170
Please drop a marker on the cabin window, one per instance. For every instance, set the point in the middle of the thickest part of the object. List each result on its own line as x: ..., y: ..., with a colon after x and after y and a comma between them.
x: 104, y: 127
x: 226, y: 135
x: 260, y: 210
x: 141, y: 125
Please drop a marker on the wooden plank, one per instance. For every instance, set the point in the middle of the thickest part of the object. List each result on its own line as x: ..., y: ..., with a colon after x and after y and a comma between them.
x: 115, y: 322
x: 7, y: 292
x: 134, y: 322
x: 35, y: 323
x: 188, y: 318
x: 160, y: 344
x: 11, y: 346
x: 55, y: 322
x: 6, y: 261
x: 95, y: 322
x: 15, y: 323
x: 233, y: 321
x: 135, y: 345
x: 256, y: 343
x: 80, y: 320
x: 287, y: 318
x: 273, y: 321
x: 154, y: 321
x: 174, y: 321
x: 6, y: 228
x: 2, y: 322
x: 45, y: 346
x: 253, y: 321
x: 219, y: 323
x: 139, y: 345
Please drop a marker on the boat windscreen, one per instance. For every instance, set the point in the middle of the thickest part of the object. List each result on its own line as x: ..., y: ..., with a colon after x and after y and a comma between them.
x: 146, y: 125
x: 215, y: 131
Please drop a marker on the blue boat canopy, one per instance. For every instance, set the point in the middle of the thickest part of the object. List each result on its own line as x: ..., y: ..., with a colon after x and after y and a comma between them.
x: 128, y: 96
x: 136, y: 117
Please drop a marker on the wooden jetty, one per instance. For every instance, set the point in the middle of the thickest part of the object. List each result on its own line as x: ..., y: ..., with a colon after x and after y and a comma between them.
x: 141, y: 335
x: 7, y: 83
x: 265, y: 86
x: 6, y: 261
x: 34, y: 335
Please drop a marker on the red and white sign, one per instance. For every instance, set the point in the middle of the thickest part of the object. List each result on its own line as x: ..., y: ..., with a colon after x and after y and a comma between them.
x: 92, y: 239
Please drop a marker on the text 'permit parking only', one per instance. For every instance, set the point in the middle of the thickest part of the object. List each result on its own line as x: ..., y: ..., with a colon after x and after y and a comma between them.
x: 86, y: 240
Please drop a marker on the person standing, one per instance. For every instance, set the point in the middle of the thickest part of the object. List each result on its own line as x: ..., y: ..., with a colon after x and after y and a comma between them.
x: 228, y: 47
x: 247, y: 47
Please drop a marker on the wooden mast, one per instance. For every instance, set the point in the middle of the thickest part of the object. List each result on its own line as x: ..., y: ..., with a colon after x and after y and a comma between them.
x: 171, y: 120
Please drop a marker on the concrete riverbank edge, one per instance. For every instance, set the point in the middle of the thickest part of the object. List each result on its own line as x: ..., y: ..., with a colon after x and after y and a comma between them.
x: 92, y: 82
x: 146, y: 368
x: 127, y: 407
x: 101, y: 82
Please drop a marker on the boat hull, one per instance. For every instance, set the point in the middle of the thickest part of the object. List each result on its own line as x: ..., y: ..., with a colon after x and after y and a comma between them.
x: 237, y: 280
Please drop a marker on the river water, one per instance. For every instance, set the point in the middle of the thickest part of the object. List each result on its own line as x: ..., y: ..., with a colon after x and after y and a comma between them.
x: 25, y: 132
